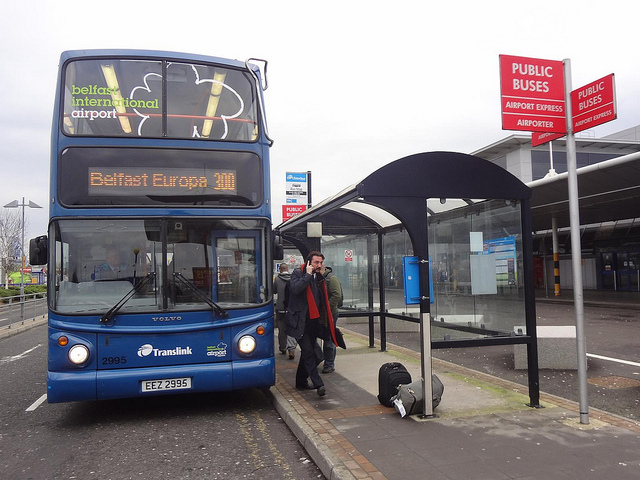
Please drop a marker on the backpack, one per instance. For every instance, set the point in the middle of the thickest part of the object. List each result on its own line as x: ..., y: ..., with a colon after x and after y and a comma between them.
x: 336, y: 279
x: 286, y: 296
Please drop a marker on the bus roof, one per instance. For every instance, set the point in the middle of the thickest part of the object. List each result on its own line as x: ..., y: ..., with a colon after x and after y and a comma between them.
x: 168, y: 55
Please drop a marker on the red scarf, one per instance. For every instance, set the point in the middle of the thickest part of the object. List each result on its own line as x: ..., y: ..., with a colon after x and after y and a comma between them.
x: 313, y: 308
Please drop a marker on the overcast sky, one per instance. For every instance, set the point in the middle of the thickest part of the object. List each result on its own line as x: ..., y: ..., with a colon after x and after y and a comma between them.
x: 353, y: 85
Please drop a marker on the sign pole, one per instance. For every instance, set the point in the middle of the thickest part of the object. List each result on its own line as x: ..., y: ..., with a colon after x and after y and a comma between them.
x: 576, y: 249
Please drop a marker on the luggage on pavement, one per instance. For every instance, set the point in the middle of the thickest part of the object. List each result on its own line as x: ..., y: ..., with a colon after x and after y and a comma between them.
x: 390, y: 376
x: 409, y: 398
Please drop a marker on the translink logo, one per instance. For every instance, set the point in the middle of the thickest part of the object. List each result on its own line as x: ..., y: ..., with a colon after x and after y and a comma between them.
x: 147, y: 349
x: 296, y: 177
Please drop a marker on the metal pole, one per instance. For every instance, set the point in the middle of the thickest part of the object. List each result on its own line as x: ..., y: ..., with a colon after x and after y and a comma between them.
x: 533, y: 372
x: 16, y: 204
x: 576, y: 248
x: 22, y: 268
x: 370, y: 291
x: 544, y: 269
x: 425, y: 339
x: 556, y: 256
x: 552, y: 170
x: 381, y: 279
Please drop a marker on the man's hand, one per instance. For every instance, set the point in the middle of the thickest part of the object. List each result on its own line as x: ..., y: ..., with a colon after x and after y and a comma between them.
x: 309, y: 268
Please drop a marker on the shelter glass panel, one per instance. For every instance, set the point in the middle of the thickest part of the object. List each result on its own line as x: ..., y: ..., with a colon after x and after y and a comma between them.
x: 349, y: 260
x: 396, y: 245
x: 476, y: 261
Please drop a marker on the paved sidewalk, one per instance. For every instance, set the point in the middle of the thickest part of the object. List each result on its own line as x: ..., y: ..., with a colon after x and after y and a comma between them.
x: 483, y: 429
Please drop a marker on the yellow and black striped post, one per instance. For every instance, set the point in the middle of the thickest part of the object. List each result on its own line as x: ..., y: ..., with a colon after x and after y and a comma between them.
x: 556, y: 256
x: 556, y: 273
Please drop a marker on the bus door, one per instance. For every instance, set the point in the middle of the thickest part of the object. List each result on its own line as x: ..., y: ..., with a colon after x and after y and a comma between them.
x: 225, y: 264
x: 237, y: 267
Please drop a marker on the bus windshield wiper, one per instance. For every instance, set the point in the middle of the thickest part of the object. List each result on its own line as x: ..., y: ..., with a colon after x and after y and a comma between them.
x: 190, y: 285
x: 116, y: 308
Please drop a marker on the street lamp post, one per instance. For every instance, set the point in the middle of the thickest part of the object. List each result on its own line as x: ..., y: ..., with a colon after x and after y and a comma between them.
x: 16, y: 204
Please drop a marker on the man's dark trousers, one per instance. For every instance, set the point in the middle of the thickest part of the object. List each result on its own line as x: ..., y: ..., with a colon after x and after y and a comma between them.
x: 307, y: 366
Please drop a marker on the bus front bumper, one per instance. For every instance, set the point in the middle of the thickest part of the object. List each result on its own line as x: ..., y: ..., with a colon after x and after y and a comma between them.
x: 126, y: 383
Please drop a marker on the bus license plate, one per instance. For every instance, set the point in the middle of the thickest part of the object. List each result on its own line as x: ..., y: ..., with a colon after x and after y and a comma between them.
x: 166, y: 384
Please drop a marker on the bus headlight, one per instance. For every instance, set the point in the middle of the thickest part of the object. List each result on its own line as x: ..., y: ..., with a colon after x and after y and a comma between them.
x: 78, y: 354
x: 247, y: 344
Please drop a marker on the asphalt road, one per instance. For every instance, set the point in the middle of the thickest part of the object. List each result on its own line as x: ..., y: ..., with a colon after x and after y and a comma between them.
x: 226, y: 435
x: 613, y: 333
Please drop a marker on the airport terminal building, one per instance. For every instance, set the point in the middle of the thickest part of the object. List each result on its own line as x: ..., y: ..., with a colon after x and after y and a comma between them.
x: 608, y: 186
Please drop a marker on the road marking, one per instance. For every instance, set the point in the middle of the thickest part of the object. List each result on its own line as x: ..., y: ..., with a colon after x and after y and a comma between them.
x: 256, y: 451
x: 37, y: 403
x: 626, y: 362
x: 19, y: 356
x: 279, y: 458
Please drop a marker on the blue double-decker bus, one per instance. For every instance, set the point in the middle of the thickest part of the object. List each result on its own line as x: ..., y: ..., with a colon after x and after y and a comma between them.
x: 159, y: 244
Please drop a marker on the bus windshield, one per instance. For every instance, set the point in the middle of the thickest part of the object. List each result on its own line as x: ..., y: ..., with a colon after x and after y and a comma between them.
x: 183, y: 261
x: 158, y: 99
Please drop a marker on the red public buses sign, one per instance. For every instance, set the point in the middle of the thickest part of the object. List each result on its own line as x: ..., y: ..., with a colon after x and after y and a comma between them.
x: 538, y: 138
x: 591, y: 105
x: 594, y: 104
x: 532, y: 92
x: 290, y: 211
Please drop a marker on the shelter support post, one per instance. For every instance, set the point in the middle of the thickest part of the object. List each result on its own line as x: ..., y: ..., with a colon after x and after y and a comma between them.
x: 381, y: 286
x: 530, y: 307
x: 370, y: 291
x: 425, y: 339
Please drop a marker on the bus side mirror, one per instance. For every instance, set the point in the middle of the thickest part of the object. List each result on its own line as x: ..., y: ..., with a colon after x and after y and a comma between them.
x: 278, y: 248
x: 38, y: 250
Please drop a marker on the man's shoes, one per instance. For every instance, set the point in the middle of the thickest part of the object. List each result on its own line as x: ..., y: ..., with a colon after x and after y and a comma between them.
x: 306, y: 386
x: 322, y: 391
x: 328, y: 369
x: 283, y: 351
x: 291, y: 355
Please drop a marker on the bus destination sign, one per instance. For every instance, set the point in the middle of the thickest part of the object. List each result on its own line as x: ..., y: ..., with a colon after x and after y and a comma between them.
x: 124, y: 181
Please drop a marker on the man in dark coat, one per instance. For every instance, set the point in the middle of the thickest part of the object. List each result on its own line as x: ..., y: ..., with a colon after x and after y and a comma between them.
x: 280, y: 288
x: 307, y: 318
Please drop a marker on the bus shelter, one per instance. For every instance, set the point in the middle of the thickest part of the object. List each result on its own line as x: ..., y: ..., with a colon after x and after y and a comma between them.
x: 441, y: 239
